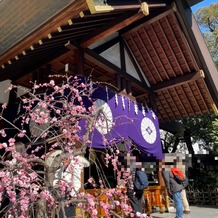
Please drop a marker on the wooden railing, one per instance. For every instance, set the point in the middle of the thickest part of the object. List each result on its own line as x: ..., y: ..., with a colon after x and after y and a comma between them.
x: 154, y: 196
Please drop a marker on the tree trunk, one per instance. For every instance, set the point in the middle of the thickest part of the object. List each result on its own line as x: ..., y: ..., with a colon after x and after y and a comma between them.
x: 187, y: 138
x: 176, y: 142
x: 41, y: 211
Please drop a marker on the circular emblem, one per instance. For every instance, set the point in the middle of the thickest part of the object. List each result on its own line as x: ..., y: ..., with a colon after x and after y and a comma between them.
x: 104, y: 121
x: 148, y: 130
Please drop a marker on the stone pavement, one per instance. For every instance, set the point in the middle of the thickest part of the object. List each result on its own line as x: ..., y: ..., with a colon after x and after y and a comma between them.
x: 196, y: 212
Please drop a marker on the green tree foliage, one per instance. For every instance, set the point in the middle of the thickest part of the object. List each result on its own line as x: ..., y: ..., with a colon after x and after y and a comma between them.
x: 203, y: 130
x: 207, y: 18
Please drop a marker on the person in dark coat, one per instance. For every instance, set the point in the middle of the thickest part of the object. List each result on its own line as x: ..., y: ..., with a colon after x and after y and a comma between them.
x: 174, y: 189
x: 135, y: 196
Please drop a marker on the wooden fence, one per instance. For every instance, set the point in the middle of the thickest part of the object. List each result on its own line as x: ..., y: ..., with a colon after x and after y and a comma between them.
x: 198, y: 197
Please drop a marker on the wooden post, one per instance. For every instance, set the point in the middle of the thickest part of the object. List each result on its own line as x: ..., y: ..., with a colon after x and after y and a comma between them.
x: 118, y: 81
x: 79, y: 61
x: 159, y: 172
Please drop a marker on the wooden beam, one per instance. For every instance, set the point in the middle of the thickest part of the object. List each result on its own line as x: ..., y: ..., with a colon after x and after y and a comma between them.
x: 108, y: 66
x: 106, y: 45
x: 131, y: 56
x: 102, y: 7
x: 111, y: 28
x: 178, y: 81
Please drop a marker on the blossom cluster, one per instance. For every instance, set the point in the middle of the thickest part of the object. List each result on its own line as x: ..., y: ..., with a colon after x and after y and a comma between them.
x: 48, y: 120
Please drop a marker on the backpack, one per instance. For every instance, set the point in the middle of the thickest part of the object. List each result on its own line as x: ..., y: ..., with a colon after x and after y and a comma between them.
x: 141, y: 180
x: 179, y: 177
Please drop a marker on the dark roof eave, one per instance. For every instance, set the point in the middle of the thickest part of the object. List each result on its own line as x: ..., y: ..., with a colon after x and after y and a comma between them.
x: 193, y: 2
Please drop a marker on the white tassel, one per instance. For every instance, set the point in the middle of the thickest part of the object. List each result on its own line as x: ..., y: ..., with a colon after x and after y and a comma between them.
x: 143, y: 110
x: 123, y: 102
x: 136, y: 108
x: 116, y: 99
x: 153, y: 115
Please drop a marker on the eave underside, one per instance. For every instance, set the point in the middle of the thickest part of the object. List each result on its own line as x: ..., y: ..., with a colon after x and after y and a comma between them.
x: 169, y: 72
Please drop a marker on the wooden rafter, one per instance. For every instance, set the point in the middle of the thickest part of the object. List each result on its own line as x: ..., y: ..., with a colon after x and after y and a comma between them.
x: 177, y: 81
x: 179, y: 103
x: 149, y: 57
x: 141, y: 56
x: 111, y: 28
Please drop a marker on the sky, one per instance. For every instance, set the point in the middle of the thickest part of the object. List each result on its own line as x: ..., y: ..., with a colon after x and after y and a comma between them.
x: 202, y: 4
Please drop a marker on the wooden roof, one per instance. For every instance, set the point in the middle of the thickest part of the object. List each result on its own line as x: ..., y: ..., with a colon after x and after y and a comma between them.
x: 167, y: 70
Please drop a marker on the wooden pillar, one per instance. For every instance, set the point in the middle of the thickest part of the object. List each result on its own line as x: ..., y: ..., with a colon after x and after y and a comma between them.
x: 42, y: 75
x: 129, y: 87
x: 118, y: 82
x: 152, y: 99
x: 159, y: 172
x: 79, y: 61
x: 38, y: 75
x: 123, y: 84
x: 122, y: 55
x: 48, y: 72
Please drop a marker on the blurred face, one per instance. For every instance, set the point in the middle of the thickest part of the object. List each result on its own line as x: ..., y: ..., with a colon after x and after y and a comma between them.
x: 164, y: 167
x: 132, y: 162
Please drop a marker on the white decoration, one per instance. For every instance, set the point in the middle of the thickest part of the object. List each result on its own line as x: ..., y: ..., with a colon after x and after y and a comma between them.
x: 148, y: 130
x: 136, y: 108
x: 116, y: 99
x: 153, y: 115
x: 143, y: 110
x: 123, y: 103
